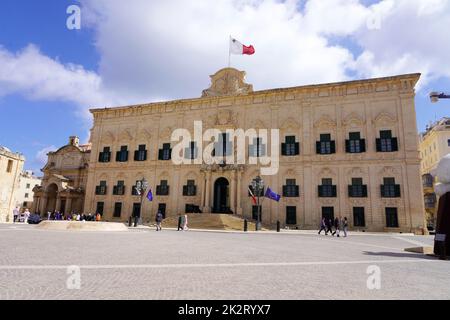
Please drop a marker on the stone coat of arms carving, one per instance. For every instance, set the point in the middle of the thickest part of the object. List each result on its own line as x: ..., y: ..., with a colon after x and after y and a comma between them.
x: 227, y: 82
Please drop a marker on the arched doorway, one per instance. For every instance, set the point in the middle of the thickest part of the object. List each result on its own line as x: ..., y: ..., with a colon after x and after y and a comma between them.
x: 221, y: 196
x: 52, y: 191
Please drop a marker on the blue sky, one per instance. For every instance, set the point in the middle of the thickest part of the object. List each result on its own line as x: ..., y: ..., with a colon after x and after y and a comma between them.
x: 127, y: 55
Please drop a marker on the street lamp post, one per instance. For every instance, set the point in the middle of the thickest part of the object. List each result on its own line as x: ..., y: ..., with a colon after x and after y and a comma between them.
x: 141, y: 186
x: 258, y: 186
x: 435, y: 96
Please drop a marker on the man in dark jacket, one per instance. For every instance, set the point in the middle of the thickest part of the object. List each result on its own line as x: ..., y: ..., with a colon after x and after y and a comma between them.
x: 329, y: 226
x: 337, y: 223
x: 180, y: 223
x: 159, y: 219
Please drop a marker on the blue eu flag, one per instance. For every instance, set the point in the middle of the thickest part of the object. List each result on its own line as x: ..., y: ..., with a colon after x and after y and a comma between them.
x: 150, y: 195
x: 272, y: 195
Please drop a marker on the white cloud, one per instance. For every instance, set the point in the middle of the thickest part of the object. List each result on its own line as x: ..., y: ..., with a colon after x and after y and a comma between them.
x: 41, y: 156
x: 157, y: 50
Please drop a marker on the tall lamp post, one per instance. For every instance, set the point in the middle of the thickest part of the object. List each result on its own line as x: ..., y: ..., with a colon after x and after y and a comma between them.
x: 141, y: 186
x: 258, y: 186
x: 435, y: 96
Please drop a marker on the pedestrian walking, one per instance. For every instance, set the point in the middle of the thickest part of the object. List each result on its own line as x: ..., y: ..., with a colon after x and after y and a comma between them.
x: 336, y: 227
x: 185, y: 225
x: 98, y: 217
x: 345, y: 226
x: 323, y: 226
x: 180, y: 223
x: 16, y: 213
x: 329, y: 224
x: 26, y: 215
x: 159, y: 219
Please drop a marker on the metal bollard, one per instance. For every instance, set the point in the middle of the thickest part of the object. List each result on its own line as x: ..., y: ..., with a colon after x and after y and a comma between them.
x: 245, y: 225
x: 278, y: 226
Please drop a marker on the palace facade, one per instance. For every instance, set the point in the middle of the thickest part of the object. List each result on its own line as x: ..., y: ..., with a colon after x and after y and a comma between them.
x: 346, y: 149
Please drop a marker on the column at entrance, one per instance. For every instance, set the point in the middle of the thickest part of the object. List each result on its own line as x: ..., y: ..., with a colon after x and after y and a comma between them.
x: 233, y: 192
x: 58, y: 203
x: 238, y: 193
x: 68, y: 208
x: 43, y: 208
x: 207, y: 207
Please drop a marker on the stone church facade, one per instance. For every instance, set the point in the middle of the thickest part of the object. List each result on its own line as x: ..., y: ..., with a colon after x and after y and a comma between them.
x: 347, y: 149
x: 64, y: 183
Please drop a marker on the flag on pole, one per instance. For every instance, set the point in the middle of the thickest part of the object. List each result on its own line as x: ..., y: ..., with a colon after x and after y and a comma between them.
x: 272, y: 195
x: 252, y: 195
x: 150, y: 195
x: 238, y: 48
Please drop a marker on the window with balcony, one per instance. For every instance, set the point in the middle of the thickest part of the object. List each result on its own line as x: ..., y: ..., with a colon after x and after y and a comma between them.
x: 325, y: 145
x: 165, y: 153
x: 327, y: 189
x: 389, y: 189
x: 101, y: 188
x: 162, y: 189
x: 105, y: 155
x: 357, y: 189
x: 122, y: 155
x: 291, y: 189
x: 191, y: 151
x: 387, y: 143
x: 355, y: 144
x: 290, y: 147
x: 141, y: 153
x: 119, y: 189
x: 257, y: 149
x: 190, y: 189
x: 223, y: 147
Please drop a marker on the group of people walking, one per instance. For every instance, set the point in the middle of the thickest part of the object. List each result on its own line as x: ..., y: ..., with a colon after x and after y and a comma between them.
x: 182, y: 222
x: 338, y: 224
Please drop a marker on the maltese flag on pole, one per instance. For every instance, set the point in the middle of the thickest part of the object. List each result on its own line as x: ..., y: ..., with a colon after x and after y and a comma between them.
x: 238, y: 48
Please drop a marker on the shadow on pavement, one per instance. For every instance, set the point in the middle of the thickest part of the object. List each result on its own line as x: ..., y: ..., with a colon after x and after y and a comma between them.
x: 400, y: 255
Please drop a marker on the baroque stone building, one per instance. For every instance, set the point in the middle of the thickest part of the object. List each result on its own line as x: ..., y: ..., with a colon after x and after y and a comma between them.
x: 346, y: 149
x: 11, y: 166
x: 64, y: 182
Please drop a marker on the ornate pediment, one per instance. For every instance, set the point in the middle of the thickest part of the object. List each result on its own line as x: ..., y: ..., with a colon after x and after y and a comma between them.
x: 125, y: 135
x: 384, y: 119
x: 389, y: 171
x: 144, y: 135
x: 325, y: 122
x: 108, y: 138
x: 166, y: 133
x: 353, y: 120
x: 290, y: 124
x: 227, y: 82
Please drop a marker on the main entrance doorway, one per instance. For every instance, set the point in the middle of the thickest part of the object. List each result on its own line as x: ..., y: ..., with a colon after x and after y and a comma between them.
x: 221, y: 196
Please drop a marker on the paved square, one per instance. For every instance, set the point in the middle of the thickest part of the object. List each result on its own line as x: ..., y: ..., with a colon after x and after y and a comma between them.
x: 211, y: 265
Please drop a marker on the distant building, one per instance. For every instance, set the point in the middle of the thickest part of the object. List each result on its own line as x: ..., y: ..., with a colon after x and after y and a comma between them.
x: 434, y: 145
x: 24, y: 193
x: 64, y: 182
x: 11, y: 166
